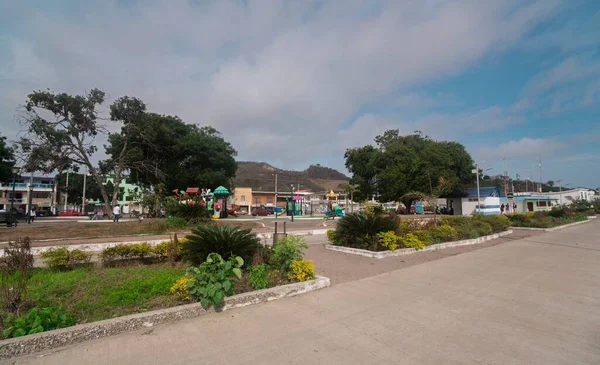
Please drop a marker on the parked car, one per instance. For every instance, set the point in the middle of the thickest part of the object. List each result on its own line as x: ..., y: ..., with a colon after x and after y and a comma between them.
x: 69, y: 214
x: 260, y: 212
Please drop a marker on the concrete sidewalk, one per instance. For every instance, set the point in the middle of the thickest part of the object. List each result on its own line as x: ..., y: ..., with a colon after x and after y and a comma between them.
x: 528, y: 301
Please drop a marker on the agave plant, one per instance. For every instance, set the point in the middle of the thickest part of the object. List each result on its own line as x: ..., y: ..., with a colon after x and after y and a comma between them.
x: 227, y: 241
x: 361, y: 227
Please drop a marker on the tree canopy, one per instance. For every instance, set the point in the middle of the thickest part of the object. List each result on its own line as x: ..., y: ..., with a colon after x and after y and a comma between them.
x: 399, y: 166
x: 167, y: 150
x: 61, y: 133
x: 7, y: 160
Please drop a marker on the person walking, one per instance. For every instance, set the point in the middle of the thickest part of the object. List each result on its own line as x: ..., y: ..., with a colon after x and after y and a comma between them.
x: 116, y: 213
x: 32, y: 214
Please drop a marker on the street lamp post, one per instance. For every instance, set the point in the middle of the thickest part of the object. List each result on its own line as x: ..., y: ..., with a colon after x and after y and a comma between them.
x: 29, y: 199
x: 476, y: 171
x: 15, y: 171
x: 292, y: 203
x: 275, y: 209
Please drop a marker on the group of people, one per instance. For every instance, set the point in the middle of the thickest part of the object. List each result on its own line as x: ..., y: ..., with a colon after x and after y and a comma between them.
x: 506, y: 208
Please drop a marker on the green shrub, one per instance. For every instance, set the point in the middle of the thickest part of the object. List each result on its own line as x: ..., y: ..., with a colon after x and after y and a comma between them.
x: 213, y: 279
x: 225, y: 240
x: 408, y: 225
x: 161, y: 250
x: 467, y: 232
x: 192, y: 213
x: 332, y: 236
x: 125, y: 251
x: 61, y: 258
x: 287, y: 250
x: 177, y: 222
x: 411, y: 241
x: 558, y: 212
x: 257, y: 276
x: 498, y: 223
x: 360, y: 229
x: 37, y: 320
x: 388, y: 240
x: 424, y: 236
x: 442, y: 233
x: 482, y: 228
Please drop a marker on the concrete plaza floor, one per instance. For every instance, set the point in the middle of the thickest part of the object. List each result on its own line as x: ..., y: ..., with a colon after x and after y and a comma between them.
x: 533, y: 300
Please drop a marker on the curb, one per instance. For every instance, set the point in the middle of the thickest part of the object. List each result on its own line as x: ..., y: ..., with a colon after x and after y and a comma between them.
x: 80, y: 333
x: 97, y: 247
x: 557, y: 228
x: 410, y: 251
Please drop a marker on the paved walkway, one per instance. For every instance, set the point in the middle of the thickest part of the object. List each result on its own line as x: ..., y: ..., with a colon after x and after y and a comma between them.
x: 534, y: 300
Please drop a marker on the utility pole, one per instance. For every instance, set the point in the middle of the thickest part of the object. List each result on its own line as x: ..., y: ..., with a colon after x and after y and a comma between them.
x: 505, y: 175
x: 275, y: 195
x: 540, y: 162
x: 476, y: 171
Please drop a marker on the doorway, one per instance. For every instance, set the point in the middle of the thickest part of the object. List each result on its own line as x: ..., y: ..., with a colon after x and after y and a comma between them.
x: 530, y: 206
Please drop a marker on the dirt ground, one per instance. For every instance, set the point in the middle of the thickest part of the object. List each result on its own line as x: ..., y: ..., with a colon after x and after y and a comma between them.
x: 70, y: 230
x: 44, y: 232
x: 342, y: 267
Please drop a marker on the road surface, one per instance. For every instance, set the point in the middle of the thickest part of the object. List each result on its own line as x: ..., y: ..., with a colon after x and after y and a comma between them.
x: 534, y: 300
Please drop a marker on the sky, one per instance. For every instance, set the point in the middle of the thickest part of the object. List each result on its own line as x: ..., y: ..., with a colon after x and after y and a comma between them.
x: 295, y: 83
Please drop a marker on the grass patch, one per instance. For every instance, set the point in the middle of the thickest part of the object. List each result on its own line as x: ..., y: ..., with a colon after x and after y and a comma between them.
x: 93, y: 294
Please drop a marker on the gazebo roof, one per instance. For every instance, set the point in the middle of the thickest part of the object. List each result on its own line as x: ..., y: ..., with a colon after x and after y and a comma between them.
x: 221, y: 190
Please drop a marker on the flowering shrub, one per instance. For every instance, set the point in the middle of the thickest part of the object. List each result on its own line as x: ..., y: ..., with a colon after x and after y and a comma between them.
x: 301, y: 270
x: 161, y: 250
x: 411, y: 241
x: 126, y: 251
x: 443, y: 233
x: 181, y: 290
x: 388, y: 240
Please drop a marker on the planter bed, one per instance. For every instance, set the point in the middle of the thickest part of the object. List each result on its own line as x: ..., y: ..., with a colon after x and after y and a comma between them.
x: 556, y: 228
x: 409, y: 251
x: 75, y: 334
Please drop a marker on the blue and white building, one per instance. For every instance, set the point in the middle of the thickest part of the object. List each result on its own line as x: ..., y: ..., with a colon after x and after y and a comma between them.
x: 464, y: 201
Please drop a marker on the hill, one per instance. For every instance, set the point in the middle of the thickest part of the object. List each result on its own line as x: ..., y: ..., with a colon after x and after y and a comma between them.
x: 261, y: 176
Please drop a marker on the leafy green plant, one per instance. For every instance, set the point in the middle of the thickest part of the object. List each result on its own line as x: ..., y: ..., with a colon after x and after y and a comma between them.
x: 411, y: 241
x: 177, y: 222
x: 332, y: 236
x: 301, y: 270
x: 424, y: 235
x: 213, y: 279
x: 61, y: 258
x: 161, y: 250
x: 287, y: 250
x: 388, y: 240
x: 37, y: 320
x: 360, y: 229
x: 257, y: 276
x: 225, y: 240
x: 191, y: 213
x: 443, y: 233
x: 498, y: 223
x: 126, y: 251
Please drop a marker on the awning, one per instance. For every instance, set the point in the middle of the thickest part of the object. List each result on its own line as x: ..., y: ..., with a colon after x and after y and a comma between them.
x: 297, y: 197
x: 192, y: 190
x: 221, y: 190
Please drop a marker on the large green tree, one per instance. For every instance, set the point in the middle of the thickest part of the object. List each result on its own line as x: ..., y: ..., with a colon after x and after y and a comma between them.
x: 7, y: 160
x: 166, y: 150
x: 61, y: 133
x: 400, y: 168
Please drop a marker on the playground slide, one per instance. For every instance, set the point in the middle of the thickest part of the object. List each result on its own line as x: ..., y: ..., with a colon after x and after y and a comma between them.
x: 233, y: 210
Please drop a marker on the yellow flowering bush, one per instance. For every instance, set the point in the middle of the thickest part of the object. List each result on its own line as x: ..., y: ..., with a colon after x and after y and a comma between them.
x: 411, y: 241
x: 301, y: 270
x: 181, y: 290
x: 161, y: 249
x: 388, y: 240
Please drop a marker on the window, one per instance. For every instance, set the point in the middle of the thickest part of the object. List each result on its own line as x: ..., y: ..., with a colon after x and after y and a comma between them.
x: 269, y: 200
x: 542, y: 204
x: 243, y: 199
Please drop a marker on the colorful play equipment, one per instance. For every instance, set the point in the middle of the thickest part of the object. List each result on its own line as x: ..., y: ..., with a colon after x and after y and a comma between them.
x: 220, y: 197
x: 217, y: 210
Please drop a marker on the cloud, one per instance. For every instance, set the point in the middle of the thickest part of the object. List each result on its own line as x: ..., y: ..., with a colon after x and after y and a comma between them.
x: 270, y: 71
x: 524, y: 148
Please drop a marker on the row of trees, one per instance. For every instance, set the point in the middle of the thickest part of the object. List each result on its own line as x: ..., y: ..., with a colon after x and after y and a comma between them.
x: 408, y: 168
x: 62, y: 132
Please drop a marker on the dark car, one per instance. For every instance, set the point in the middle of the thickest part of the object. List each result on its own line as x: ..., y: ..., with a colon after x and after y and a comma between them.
x: 260, y: 212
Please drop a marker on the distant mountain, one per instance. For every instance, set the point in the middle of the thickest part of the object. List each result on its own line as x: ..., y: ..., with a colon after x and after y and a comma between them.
x: 260, y: 176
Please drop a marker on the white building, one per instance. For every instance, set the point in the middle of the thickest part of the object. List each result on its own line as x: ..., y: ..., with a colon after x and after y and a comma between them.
x: 464, y: 202
x: 42, y: 190
x: 567, y: 196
